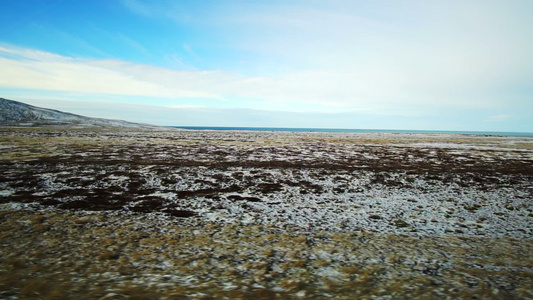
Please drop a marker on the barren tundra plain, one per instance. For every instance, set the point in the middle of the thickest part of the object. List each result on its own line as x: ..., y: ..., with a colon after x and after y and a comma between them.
x: 115, y: 213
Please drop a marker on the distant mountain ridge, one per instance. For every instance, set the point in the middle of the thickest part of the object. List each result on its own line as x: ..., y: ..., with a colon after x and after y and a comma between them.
x: 18, y: 113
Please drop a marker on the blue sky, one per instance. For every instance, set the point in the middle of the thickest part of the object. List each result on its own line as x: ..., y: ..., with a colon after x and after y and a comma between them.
x: 436, y: 65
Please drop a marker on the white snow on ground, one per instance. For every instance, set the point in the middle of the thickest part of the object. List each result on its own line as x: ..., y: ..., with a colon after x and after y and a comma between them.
x: 351, y: 197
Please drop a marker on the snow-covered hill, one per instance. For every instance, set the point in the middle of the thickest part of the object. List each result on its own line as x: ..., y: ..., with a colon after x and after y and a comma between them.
x: 18, y: 113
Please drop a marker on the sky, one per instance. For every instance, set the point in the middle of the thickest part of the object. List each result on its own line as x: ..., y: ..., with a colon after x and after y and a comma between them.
x: 412, y: 64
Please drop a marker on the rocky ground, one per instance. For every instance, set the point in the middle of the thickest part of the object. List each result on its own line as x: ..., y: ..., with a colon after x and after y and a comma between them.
x: 173, y: 214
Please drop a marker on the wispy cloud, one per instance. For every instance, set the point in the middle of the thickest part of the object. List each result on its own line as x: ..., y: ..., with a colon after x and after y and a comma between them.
x: 137, y: 7
x: 33, y: 69
x: 499, y: 118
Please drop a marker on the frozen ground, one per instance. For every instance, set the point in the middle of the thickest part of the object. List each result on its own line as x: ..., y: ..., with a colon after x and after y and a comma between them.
x: 264, y: 215
x: 400, y: 183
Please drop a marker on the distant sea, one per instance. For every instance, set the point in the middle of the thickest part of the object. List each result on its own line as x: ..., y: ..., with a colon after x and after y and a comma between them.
x: 494, y: 133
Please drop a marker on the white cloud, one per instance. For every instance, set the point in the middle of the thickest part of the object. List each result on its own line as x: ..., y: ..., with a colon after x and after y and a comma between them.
x: 33, y: 69
x: 384, y: 84
x: 427, y: 59
x: 382, y: 56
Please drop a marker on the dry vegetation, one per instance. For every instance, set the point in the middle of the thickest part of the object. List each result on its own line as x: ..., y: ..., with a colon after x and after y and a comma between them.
x: 164, y: 214
x: 66, y: 254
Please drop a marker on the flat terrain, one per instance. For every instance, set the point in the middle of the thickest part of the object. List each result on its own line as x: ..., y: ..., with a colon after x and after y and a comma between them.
x: 173, y: 214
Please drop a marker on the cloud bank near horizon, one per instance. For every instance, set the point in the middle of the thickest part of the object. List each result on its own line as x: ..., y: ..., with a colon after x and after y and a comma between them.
x: 221, y: 117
